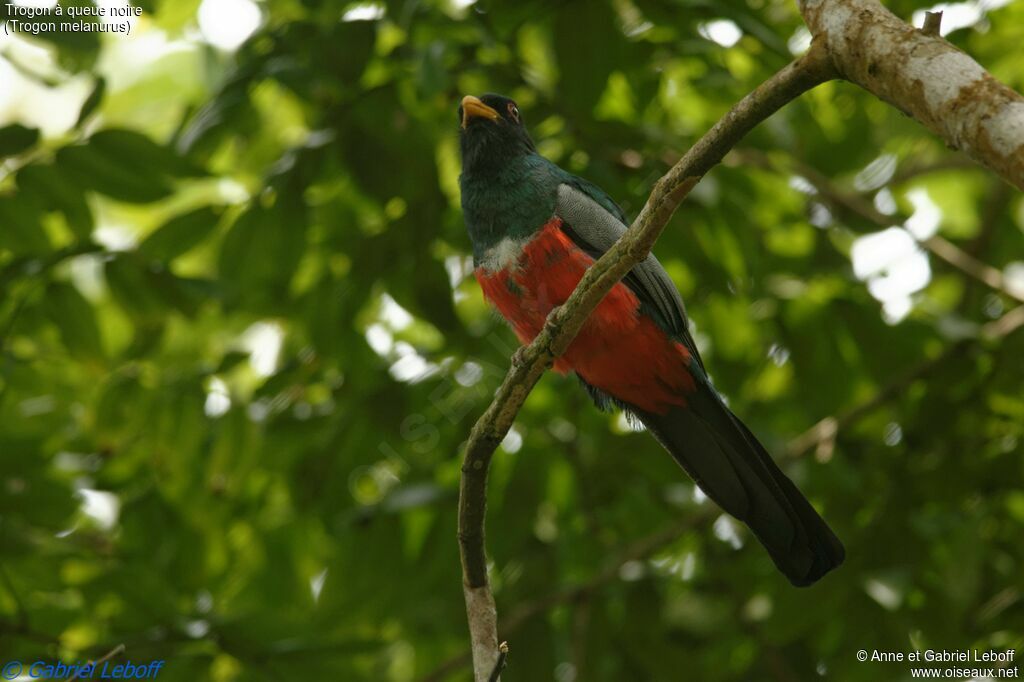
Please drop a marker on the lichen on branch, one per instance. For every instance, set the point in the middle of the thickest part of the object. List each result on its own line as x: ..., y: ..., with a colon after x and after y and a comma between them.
x: 926, y: 77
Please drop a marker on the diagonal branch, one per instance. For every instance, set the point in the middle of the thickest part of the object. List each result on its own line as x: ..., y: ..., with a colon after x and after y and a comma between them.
x: 837, y: 198
x: 822, y: 435
x: 563, y: 323
x: 914, y: 170
x: 116, y: 651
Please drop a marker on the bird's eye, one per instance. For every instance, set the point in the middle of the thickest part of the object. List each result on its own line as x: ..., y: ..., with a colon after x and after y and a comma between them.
x: 513, y: 111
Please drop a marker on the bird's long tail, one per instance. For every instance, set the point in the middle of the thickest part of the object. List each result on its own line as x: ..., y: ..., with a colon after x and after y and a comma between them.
x: 735, y: 471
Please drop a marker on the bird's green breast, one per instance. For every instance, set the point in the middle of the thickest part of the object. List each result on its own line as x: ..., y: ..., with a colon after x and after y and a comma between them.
x: 513, y: 201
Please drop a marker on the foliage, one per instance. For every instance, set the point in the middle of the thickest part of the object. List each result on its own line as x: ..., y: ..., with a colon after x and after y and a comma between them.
x: 235, y: 308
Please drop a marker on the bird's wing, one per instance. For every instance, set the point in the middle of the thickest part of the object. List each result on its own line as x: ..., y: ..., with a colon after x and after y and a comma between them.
x: 594, y: 228
x: 596, y: 193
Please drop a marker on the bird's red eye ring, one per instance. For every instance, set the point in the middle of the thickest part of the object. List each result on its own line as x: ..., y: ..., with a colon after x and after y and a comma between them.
x: 513, y: 111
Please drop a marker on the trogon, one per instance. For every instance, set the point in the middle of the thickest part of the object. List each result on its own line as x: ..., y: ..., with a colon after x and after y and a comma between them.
x: 535, y: 229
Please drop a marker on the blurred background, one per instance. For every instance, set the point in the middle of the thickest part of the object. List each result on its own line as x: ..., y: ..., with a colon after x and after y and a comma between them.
x: 240, y: 348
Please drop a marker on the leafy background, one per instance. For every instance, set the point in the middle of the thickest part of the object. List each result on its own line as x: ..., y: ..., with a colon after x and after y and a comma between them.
x: 240, y: 349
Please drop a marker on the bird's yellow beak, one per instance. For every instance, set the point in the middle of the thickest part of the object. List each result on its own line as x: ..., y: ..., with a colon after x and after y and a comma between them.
x: 472, y: 107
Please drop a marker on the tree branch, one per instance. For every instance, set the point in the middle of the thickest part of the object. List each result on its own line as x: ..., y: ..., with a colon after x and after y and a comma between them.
x: 839, y: 199
x: 932, y: 23
x: 116, y: 651
x: 912, y: 171
x: 823, y: 434
x: 563, y: 324
x: 499, y: 665
x: 635, y: 551
x: 925, y: 77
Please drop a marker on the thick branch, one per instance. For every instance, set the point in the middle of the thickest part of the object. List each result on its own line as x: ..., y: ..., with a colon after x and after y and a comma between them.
x: 925, y: 77
x: 563, y: 324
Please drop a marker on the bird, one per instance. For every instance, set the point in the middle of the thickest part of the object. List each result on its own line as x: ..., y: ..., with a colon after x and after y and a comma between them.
x: 535, y: 229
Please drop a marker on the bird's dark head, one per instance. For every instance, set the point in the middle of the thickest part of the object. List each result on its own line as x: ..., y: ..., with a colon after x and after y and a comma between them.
x: 491, y: 132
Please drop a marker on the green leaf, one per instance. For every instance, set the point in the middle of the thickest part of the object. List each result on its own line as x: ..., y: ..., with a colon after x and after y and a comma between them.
x: 588, y: 44
x: 16, y: 138
x: 356, y: 38
x: 135, y: 290
x: 92, y: 101
x: 20, y: 226
x: 118, y: 177
x: 180, y: 234
x: 80, y: 46
x: 125, y: 165
x: 52, y: 189
x: 231, y: 360
x: 73, y: 316
x: 346, y: 44
x: 141, y: 151
x: 227, y: 112
x: 262, y: 250
x: 148, y: 291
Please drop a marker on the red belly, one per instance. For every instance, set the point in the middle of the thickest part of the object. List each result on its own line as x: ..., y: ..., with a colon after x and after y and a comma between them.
x: 618, y: 350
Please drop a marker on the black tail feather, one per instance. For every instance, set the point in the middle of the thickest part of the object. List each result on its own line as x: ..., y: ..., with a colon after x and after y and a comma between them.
x: 735, y: 471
